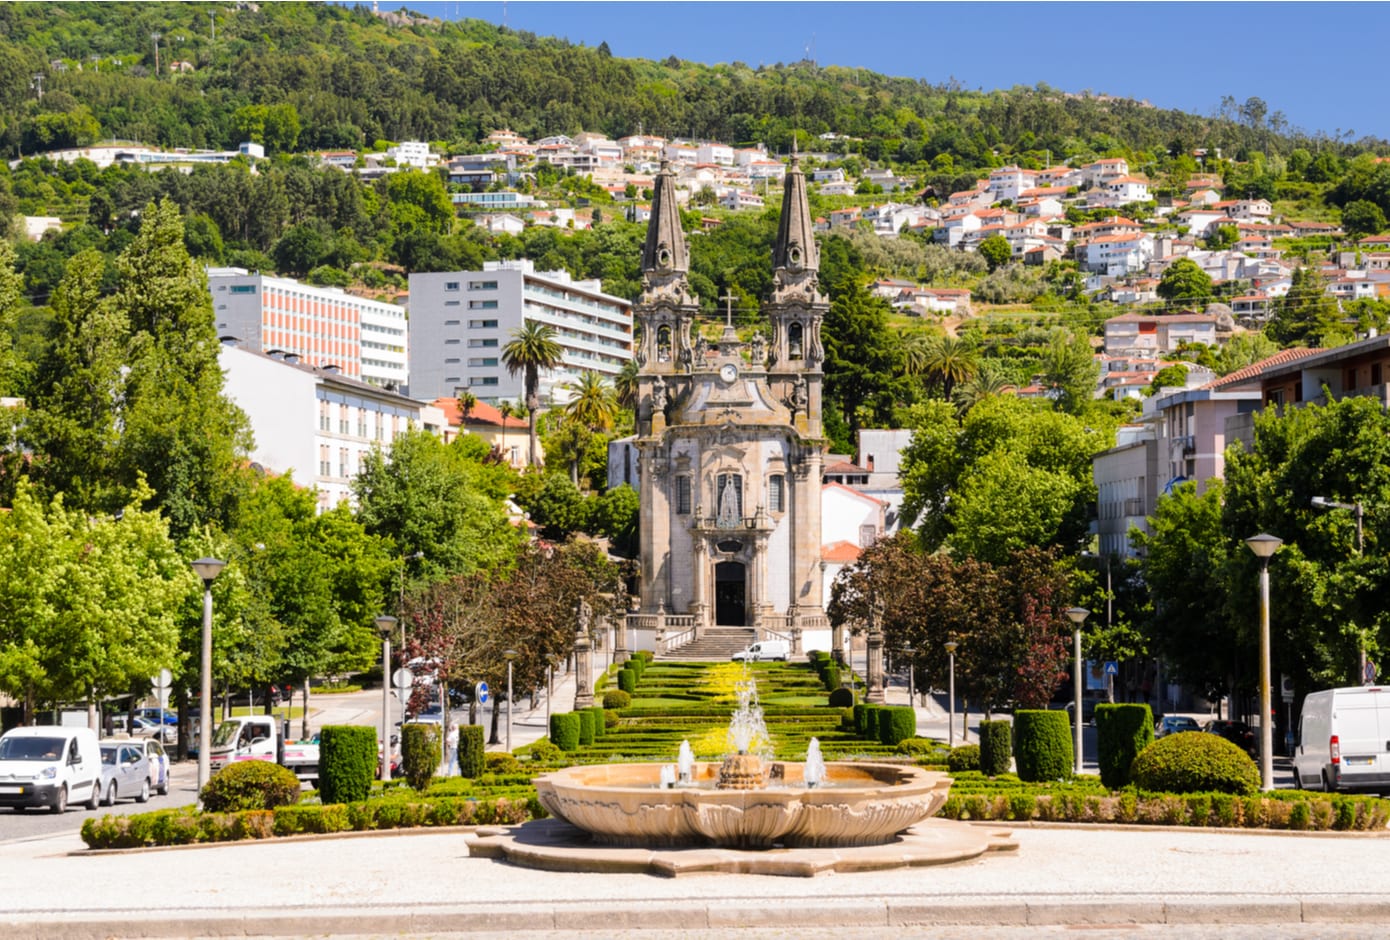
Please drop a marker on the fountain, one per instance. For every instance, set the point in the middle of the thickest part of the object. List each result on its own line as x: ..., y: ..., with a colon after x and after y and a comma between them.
x: 872, y: 815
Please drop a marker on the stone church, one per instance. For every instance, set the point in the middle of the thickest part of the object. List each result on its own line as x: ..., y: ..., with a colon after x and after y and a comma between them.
x: 729, y: 444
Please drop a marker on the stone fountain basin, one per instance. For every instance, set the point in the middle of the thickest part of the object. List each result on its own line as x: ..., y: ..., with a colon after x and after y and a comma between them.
x: 859, y: 804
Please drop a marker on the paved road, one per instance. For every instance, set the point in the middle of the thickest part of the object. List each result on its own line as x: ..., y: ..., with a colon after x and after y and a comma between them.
x: 34, y: 823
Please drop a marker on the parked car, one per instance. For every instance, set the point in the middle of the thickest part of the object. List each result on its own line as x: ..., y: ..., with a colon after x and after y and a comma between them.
x: 1344, y: 740
x: 1237, y: 732
x: 159, y: 716
x: 1175, y: 724
x: 763, y: 652
x: 155, y: 756
x: 144, y: 728
x: 125, y: 771
x: 47, y: 766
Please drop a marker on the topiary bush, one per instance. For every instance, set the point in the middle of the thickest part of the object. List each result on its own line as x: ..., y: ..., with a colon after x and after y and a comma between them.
x: 996, y: 754
x: 586, y: 726
x: 964, y: 758
x: 600, y: 727
x: 627, y: 681
x: 842, y: 698
x: 1042, y: 745
x: 1195, y: 762
x: 564, y: 731
x: 472, y: 747
x: 616, y: 698
x: 895, y: 723
x: 830, y: 676
x: 1122, y: 731
x: 348, y: 761
x: 420, y: 753
x: 250, y: 784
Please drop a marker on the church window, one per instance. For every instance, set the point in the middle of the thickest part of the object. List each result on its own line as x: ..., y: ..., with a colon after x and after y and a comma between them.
x: 794, y: 341
x: 729, y: 490
x: 663, y: 344
x: 683, y: 496
x: 777, y: 493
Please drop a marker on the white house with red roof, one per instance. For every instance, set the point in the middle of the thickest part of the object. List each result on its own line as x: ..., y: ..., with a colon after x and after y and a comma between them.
x: 1007, y: 182
x: 1126, y: 189
x: 1103, y: 171
x: 1149, y: 335
x: 1117, y: 255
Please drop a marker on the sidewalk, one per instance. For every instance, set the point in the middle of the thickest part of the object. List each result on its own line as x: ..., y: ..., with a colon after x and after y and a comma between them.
x: 425, y: 883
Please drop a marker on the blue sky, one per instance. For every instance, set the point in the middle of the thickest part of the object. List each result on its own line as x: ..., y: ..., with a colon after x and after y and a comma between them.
x: 1304, y: 59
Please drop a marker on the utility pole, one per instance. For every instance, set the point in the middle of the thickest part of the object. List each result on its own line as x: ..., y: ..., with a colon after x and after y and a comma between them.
x: 156, y: 37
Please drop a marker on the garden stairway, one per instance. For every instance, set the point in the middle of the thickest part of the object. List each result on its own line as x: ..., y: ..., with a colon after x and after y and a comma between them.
x: 716, y: 643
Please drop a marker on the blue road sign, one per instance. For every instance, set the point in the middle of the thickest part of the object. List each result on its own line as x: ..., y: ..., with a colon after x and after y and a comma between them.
x: 1112, y: 668
x: 481, y: 693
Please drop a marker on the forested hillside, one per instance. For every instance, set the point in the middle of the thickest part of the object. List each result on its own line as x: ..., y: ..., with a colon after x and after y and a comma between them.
x: 341, y: 77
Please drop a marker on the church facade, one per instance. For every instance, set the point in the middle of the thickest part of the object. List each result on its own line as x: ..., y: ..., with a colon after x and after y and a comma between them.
x: 729, y: 441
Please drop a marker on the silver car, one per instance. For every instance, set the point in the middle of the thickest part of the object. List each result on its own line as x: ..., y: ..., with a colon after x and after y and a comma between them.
x: 125, y: 772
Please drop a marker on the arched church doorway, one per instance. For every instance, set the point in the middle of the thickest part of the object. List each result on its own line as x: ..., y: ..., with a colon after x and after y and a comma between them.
x: 730, y: 593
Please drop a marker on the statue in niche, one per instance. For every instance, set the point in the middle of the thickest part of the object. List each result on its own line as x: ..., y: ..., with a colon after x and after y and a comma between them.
x: 801, y: 398
x: 701, y: 348
x: 659, y: 395
x: 728, y: 505
x: 759, y: 349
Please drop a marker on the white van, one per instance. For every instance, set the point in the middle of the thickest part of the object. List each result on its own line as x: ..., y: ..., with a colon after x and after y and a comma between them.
x: 49, y: 765
x: 1344, y: 740
x: 761, y: 652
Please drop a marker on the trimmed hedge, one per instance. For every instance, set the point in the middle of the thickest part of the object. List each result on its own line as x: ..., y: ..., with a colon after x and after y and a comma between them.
x: 996, y: 754
x: 1122, y: 731
x: 348, y: 761
x: 963, y: 758
x: 616, y: 698
x: 250, y: 784
x: 896, y: 723
x: 841, y: 698
x: 586, y: 727
x: 420, y: 753
x: 627, y: 680
x: 472, y: 747
x: 564, y: 731
x: 600, y: 720
x: 183, y: 827
x: 1195, y: 762
x: 866, y: 720
x: 1042, y: 744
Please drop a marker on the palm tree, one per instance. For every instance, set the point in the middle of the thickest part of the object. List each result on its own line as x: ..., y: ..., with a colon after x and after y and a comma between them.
x: 625, y: 384
x: 989, y: 379
x: 593, y: 408
x: 593, y: 404
x: 533, y: 348
x: 467, y: 402
x: 916, y: 352
x: 950, y: 361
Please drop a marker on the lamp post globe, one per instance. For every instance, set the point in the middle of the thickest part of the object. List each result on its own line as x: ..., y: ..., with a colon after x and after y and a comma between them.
x: 386, y: 625
x: 207, y: 569
x: 1264, y: 546
x: 509, y: 655
x: 1077, y: 615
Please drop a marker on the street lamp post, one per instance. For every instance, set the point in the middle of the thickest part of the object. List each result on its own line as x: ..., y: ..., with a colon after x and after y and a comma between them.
x: 1077, y: 615
x: 951, y: 692
x: 1264, y: 546
x: 386, y: 625
x: 509, y: 655
x: 208, y: 569
x: 911, y: 693
x: 554, y: 661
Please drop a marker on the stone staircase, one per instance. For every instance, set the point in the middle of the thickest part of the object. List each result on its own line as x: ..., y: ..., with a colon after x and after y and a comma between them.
x: 717, y: 644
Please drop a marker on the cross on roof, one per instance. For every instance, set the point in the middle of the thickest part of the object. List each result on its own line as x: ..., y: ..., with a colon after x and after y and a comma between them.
x: 728, y: 299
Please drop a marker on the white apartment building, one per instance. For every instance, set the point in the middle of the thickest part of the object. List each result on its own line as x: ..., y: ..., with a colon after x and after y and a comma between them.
x: 414, y: 153
x: 460, y: 321
x: 365, y: 339
x: 314, y: 423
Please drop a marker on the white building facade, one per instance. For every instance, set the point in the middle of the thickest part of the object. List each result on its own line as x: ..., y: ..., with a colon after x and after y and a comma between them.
x: 324, y: 326
x: 313, y: 423
x: 460, y: 321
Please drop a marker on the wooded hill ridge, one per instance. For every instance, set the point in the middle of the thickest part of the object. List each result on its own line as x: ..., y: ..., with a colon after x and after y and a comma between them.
x: 71, y: 74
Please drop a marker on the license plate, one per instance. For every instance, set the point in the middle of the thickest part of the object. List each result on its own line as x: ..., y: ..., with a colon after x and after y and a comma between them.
x: 11, y: 789
x: 1360, y: 761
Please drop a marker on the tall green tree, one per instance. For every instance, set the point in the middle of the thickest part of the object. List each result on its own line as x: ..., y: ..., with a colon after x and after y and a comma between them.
x: 1308, y: 315
x: 179, y: 431
x: 73, y: 407
x: 532, y: 349
x: 861, y: 358
x: 1184, y: 279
